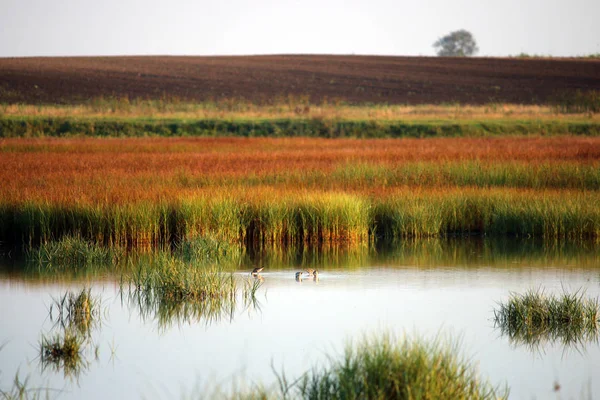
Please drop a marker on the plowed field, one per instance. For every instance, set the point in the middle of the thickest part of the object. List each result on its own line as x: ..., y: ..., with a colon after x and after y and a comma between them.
x: 355, y: 79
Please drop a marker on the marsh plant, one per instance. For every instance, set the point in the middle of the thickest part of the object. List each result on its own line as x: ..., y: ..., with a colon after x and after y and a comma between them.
x: 63, y: 352
x: 168, y: 289
x: 535, y: 318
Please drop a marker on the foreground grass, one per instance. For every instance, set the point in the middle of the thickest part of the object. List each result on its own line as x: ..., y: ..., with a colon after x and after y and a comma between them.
x: 534, y: 317
x: 386, y: 367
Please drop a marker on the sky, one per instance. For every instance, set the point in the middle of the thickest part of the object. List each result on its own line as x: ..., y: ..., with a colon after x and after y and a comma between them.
x: 243, y: 27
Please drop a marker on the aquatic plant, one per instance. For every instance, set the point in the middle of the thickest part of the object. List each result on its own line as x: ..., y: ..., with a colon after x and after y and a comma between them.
x: 63, y: 352
x: 534, y: 317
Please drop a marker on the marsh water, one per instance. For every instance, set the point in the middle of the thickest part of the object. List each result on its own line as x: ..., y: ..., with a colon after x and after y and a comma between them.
x: 427, y: 289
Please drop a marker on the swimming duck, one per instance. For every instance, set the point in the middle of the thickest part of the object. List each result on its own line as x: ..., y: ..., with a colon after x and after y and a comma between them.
x: 257, y: 270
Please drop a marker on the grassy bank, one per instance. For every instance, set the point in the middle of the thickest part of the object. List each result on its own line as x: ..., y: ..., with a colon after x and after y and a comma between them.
x: 29, y: 126
x: 290, y: 117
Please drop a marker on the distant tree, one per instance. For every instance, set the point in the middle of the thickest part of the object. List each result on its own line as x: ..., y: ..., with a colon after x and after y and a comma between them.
x: 456, y: 44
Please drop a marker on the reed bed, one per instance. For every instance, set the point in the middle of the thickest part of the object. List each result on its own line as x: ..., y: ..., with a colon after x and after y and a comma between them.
x: 140, y: 193
x: 313, y: 218
x: 533, y: 318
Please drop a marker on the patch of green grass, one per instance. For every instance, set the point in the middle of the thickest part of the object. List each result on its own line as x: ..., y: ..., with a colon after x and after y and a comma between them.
x: 33, y: 126
x: 535, y: 317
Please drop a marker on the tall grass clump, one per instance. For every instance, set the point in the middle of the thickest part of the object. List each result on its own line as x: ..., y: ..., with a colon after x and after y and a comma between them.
x: 535, y: 317
x: 390, y: 368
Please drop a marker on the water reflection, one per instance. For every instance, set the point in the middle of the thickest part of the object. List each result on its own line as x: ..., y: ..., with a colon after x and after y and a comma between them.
x: 167, y: 310
x: 424, y: 286
x: 537, y: 320
x: 536, y: 340
x: 435, y: 252
x: 68, y: 347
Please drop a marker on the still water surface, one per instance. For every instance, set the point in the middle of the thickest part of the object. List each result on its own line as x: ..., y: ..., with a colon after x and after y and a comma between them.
x: 297, y: 325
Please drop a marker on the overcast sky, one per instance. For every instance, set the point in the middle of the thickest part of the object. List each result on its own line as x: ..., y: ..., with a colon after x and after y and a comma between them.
x: 212, y: 27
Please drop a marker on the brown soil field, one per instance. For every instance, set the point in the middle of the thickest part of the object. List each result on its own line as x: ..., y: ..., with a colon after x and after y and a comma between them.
x: 353, y: 79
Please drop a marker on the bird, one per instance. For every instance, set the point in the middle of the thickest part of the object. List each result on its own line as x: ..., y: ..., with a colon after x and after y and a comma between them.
x: 299, y: 276
x: 315, y: 275
x: 257, y: 270
x: 310, y: 271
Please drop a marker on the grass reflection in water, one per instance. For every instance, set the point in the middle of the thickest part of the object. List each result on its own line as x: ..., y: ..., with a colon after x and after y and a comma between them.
x: 535, y: 318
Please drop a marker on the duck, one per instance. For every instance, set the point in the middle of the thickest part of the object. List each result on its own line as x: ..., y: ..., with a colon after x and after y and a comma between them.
x: 257, y: 270
x: 299, y: 276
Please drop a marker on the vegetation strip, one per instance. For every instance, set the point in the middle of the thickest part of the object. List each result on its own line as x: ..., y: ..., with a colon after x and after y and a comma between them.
x: 147, y: 192
x: 310, y: 219
x: 68, y: 127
